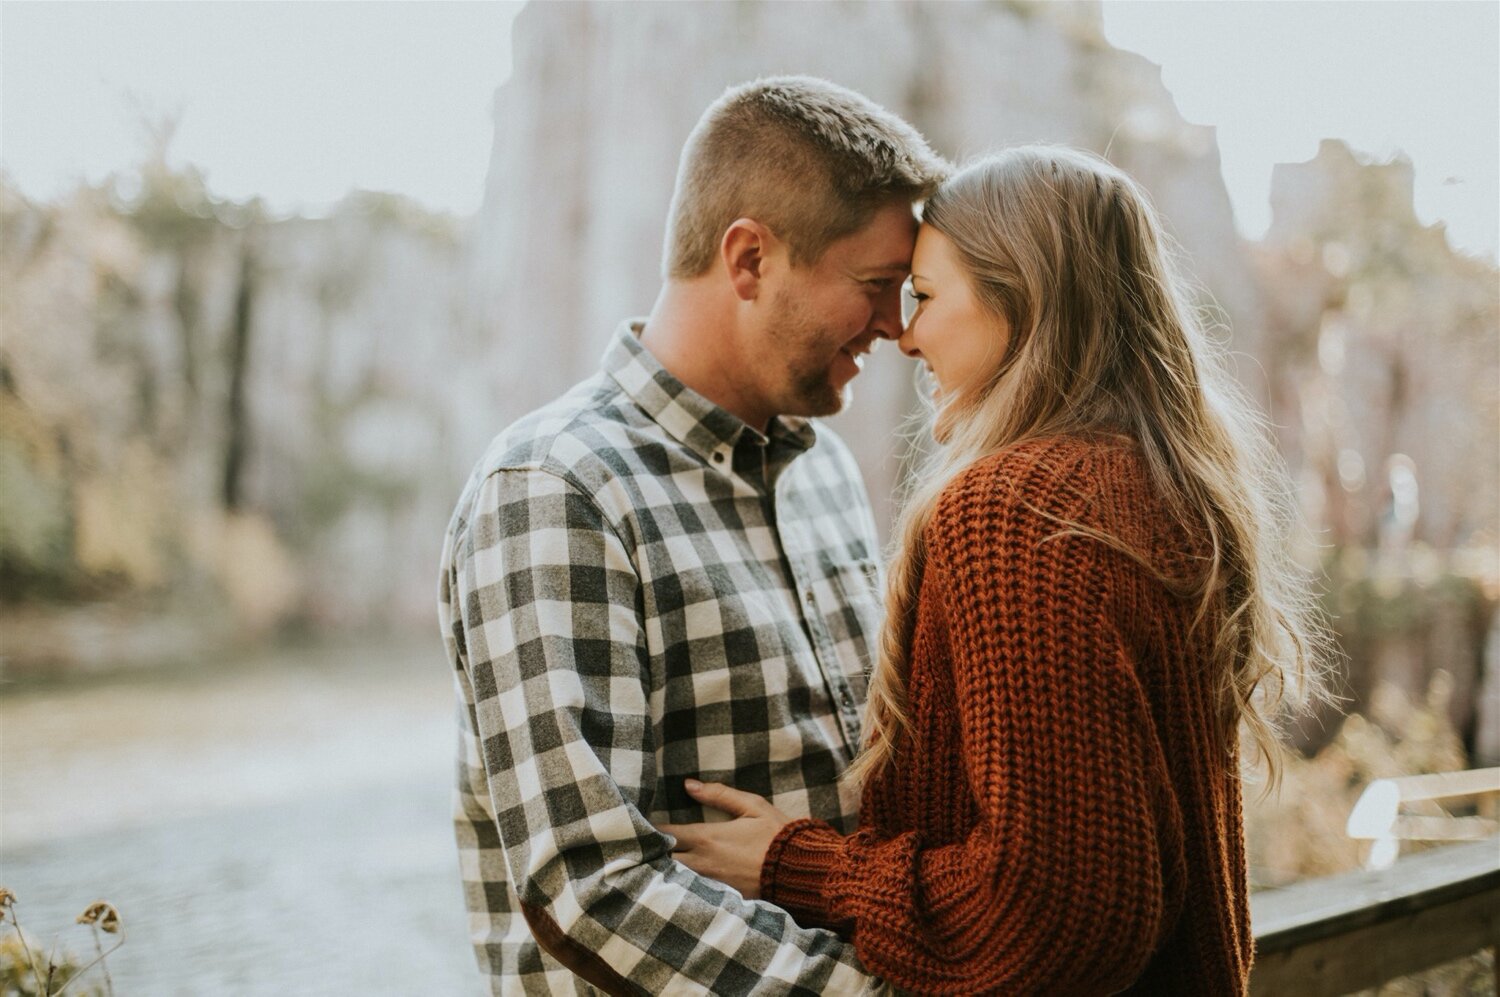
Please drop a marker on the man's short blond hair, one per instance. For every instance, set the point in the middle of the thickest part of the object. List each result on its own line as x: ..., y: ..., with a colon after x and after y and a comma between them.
x: 809, y: 159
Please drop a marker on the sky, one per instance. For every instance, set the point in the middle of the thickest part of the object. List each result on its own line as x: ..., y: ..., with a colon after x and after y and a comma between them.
x: 300, y: 102
x: 1406, y: 77
x: 296, y: 102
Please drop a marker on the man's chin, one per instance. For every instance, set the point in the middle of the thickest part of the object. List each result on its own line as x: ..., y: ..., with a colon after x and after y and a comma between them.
x: 817, y: 401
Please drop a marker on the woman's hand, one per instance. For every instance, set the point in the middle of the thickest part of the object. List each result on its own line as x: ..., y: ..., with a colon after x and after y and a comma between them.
x: 731, y: 852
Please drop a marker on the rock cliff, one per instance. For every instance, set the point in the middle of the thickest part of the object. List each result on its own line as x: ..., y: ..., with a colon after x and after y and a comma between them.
x: 602, y: 96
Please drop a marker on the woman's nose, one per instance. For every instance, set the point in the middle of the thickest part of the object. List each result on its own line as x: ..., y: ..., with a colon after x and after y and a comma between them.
x: 906, y: 344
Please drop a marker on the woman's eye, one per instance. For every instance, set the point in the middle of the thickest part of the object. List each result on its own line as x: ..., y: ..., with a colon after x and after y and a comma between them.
x: 911, y: 303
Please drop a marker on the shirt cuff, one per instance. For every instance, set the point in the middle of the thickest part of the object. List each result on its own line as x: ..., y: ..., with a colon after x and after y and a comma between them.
x: 795, y: 872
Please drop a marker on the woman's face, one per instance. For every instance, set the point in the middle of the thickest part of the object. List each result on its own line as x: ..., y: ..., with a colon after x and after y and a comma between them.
x: 960, y: 341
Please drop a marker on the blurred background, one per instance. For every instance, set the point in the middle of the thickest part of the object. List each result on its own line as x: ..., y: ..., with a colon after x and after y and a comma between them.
x: 271, y: 275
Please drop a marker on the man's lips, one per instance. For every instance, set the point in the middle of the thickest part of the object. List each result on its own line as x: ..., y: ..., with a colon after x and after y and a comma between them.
x: 857, y: 353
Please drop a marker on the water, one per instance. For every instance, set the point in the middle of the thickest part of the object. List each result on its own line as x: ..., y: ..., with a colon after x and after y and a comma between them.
x: 278, y: 826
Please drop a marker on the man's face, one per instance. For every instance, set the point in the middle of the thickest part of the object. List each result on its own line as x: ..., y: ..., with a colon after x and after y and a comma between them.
x: 825, y: 316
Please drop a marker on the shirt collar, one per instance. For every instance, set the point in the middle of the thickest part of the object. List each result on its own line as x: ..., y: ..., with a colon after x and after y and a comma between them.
x: 700, y: 425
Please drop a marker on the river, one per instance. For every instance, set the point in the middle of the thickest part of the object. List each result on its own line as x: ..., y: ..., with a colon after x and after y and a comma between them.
x: 279, y: 825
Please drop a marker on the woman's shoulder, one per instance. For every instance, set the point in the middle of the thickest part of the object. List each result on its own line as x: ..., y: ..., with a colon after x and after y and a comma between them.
x: 1026, y: 493
x: 1058, y: 475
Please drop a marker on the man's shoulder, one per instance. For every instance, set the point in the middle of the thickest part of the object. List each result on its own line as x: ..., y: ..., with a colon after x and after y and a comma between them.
x: 586, y: 439
x: 832, y: 451
x: 830, y: 495
x: 828, y: 469
x: 577, y: 435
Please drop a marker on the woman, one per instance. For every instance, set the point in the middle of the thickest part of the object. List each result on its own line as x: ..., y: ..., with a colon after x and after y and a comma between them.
x: 1089, y: 596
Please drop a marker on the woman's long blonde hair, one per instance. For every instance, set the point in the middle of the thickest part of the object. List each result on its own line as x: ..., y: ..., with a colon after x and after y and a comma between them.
x: 1104, y: 340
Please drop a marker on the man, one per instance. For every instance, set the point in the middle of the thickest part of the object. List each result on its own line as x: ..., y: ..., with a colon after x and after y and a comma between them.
x: 669, y: 573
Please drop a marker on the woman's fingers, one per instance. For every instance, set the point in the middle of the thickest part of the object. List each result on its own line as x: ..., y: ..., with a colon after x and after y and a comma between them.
x: 734, y: 802
x: 681, y: 834
x: 730, y: 851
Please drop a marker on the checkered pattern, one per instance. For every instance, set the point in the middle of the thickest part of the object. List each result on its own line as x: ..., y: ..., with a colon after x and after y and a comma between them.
x: 638, y: 588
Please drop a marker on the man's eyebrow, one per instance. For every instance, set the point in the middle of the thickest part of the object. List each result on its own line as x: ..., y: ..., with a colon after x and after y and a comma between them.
x: 895, y: 268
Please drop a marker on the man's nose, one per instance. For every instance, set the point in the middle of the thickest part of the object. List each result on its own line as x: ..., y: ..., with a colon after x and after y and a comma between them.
x: 886, y: 322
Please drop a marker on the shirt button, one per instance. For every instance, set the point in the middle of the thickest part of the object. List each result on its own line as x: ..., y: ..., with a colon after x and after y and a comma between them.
x: 807, y: 597
x: 718, y: 456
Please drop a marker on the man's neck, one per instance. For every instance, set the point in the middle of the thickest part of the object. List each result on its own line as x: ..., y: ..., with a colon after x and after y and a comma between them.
x: 690, y: 332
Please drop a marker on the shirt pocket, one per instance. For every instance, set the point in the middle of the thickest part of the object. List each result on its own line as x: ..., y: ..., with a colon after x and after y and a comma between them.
x: 853, y: 618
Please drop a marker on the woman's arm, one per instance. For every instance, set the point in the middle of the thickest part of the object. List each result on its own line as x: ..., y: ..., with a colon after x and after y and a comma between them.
x: 1061, y: 886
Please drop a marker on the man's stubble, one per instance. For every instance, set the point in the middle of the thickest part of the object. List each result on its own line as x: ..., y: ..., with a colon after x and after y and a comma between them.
x: 805, y: 353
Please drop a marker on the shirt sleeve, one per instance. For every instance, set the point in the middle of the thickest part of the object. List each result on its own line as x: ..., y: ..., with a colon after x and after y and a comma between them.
x: 1059, y: 887
x: 553, y: 643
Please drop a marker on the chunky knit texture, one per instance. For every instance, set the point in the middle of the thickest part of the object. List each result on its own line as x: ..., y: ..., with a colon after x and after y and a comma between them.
x: 1067, y: 817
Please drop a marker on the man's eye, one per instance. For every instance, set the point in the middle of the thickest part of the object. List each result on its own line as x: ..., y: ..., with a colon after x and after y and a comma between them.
x: 879, y: 283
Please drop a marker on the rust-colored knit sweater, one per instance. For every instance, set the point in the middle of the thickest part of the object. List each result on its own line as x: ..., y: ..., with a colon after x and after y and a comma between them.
x: 1068, y: 818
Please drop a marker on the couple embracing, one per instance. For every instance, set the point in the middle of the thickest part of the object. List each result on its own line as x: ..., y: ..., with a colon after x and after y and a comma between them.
x: 710, y: 744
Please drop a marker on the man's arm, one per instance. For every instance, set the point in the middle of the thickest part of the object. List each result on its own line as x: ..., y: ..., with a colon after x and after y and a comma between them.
x: 554, y: 645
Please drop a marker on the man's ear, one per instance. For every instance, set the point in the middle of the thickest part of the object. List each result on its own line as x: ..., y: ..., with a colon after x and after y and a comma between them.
x: 743, y: 252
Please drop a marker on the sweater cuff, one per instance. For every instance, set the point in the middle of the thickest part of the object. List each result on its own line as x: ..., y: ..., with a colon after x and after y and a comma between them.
x: 795, y: 871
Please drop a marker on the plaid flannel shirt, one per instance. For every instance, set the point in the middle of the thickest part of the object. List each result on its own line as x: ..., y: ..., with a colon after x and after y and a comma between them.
x: 637, y: 588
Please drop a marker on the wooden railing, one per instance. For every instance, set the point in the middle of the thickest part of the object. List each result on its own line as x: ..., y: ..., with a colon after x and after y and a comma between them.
x: 1345, y: 933
x: 1378, y: 818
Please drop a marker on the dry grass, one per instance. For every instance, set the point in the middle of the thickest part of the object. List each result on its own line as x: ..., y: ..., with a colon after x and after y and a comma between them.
x: 1298, y: 833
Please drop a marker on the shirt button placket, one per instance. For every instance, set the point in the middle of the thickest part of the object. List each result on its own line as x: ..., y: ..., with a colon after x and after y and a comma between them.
x: 850, y: 716
x: 838, y: 689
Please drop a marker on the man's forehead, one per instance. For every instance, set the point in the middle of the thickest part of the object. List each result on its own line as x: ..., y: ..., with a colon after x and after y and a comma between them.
x: 893, y: 268
x: 883, y: 246
x: 883, y: 252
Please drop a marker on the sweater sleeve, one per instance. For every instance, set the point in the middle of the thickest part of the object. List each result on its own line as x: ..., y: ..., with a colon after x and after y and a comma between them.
x: 1059, y: 887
